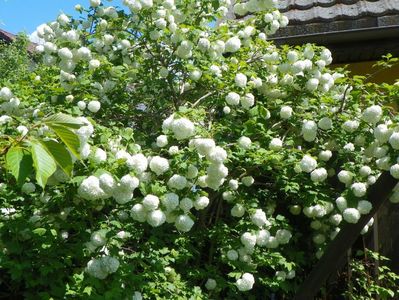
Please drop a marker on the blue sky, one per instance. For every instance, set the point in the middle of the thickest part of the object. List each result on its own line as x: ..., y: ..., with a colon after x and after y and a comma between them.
x: 26, y: 15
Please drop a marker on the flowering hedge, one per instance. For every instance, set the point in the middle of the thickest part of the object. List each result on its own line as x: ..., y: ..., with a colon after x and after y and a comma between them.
x: 152, y: 154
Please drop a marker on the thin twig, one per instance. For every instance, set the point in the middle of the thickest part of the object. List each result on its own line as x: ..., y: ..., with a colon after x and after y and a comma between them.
x: 202, y: 98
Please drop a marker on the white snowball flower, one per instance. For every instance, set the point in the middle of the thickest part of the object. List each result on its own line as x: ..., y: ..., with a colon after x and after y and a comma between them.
x: 350, y: 126
x: 382, y: 133
x: 238, y: 211
x: 129, y: 182
x: 94, y: 106
x: 286, y: 112
x: 246, y: 282
x: 325, y: 155
x: 201, y: 202
x: 107, y: 183
x: 345, y: 177
x: 94, y: 64
x: 156, y: 218
x: 203, y: 146
x: 247, y: 101
x: 177, y: 182
x: 233, y: 44
x: 170, y: 201
x: 137, y: 296
x: 95, y: 3
x: 262, y: 237
x: 159, y: 165
x: 186, y: 204
x: 28, y: 188
x: 309, y: 130
x: 318, y: 175
x: 259, y: 218
x: 162, y: 141
x: 182, y: 128
x: 319, y: 239
x: 65, y: 54
x: 99, y: 156
x: 82, y: 105
x: 275, y: 144
x: 6, y: 94
x: 394, y: 140
x: 233, y: 184
x: 312, y: 84
x: 173, y: 150
x: 248, y: 180
x: 23, y: 130
x: 226, y: 110
x: 210, y: 284
x: 240, y: 80
x: 341, y: 203
x: 248, y: 240
x: 359, y: 189
x: 394, y: 198
x: 365, y: 171
x: 90, y: 189
x: 184, y: 223
x: 244, y: 142
x: 308, y: 164
x: 232, y: 98
x: 217, y: 155
x: 372, y: 114
x: 150, y: 202
x: 394, y: 171
x: 192, y: 172
x: 335, y: 219
x: 325, y: 123
x: 139, y: 213
x: 351, y: 215
x: 283, y: 236
x: 138, y: 163
x: 364, y: 207
x: 232, y: 255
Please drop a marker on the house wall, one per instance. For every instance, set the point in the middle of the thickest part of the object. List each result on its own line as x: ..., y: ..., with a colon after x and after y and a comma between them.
x: 379, y: 75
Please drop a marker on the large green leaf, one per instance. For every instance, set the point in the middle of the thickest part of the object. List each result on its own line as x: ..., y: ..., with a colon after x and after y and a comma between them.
x: 19, y: 162
x: 43, y: 162
x: 61, y: 155
x: 70, y: 138
x: 61, y: 119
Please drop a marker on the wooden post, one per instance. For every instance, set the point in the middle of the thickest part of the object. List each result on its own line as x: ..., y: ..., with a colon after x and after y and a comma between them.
x: 377, y: 194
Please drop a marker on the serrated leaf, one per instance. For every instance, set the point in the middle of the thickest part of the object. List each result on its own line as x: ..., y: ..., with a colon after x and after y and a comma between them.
x: 69, y: 138
x: 19, y: 162
x: 43, y: 162
x: 61, y: 119
x: 61, y: 156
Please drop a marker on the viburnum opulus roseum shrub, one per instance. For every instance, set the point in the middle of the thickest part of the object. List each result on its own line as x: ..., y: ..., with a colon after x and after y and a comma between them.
x: 153, y: 154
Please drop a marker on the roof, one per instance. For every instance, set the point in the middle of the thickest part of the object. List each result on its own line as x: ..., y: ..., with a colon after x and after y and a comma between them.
x: 8, y: 37
x: 354, y: 30
x: 337, y: 15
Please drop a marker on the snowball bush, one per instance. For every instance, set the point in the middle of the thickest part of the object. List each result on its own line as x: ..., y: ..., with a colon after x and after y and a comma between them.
x: 146, y: 152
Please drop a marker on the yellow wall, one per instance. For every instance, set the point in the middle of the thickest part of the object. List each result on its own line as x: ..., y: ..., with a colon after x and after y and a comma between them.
x: 365, y: 68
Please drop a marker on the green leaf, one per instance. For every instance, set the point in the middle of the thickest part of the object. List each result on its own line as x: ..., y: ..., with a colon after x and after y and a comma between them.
x: 70, y: 139
x: 43, y: 162
x: 61, y: 156
x: 19, y: 162
x: 61, y: 119
x: 40, y: 231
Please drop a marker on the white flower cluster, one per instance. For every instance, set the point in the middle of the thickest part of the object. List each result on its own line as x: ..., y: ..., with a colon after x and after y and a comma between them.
x: 102, y: 267
x: 246, y: 282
